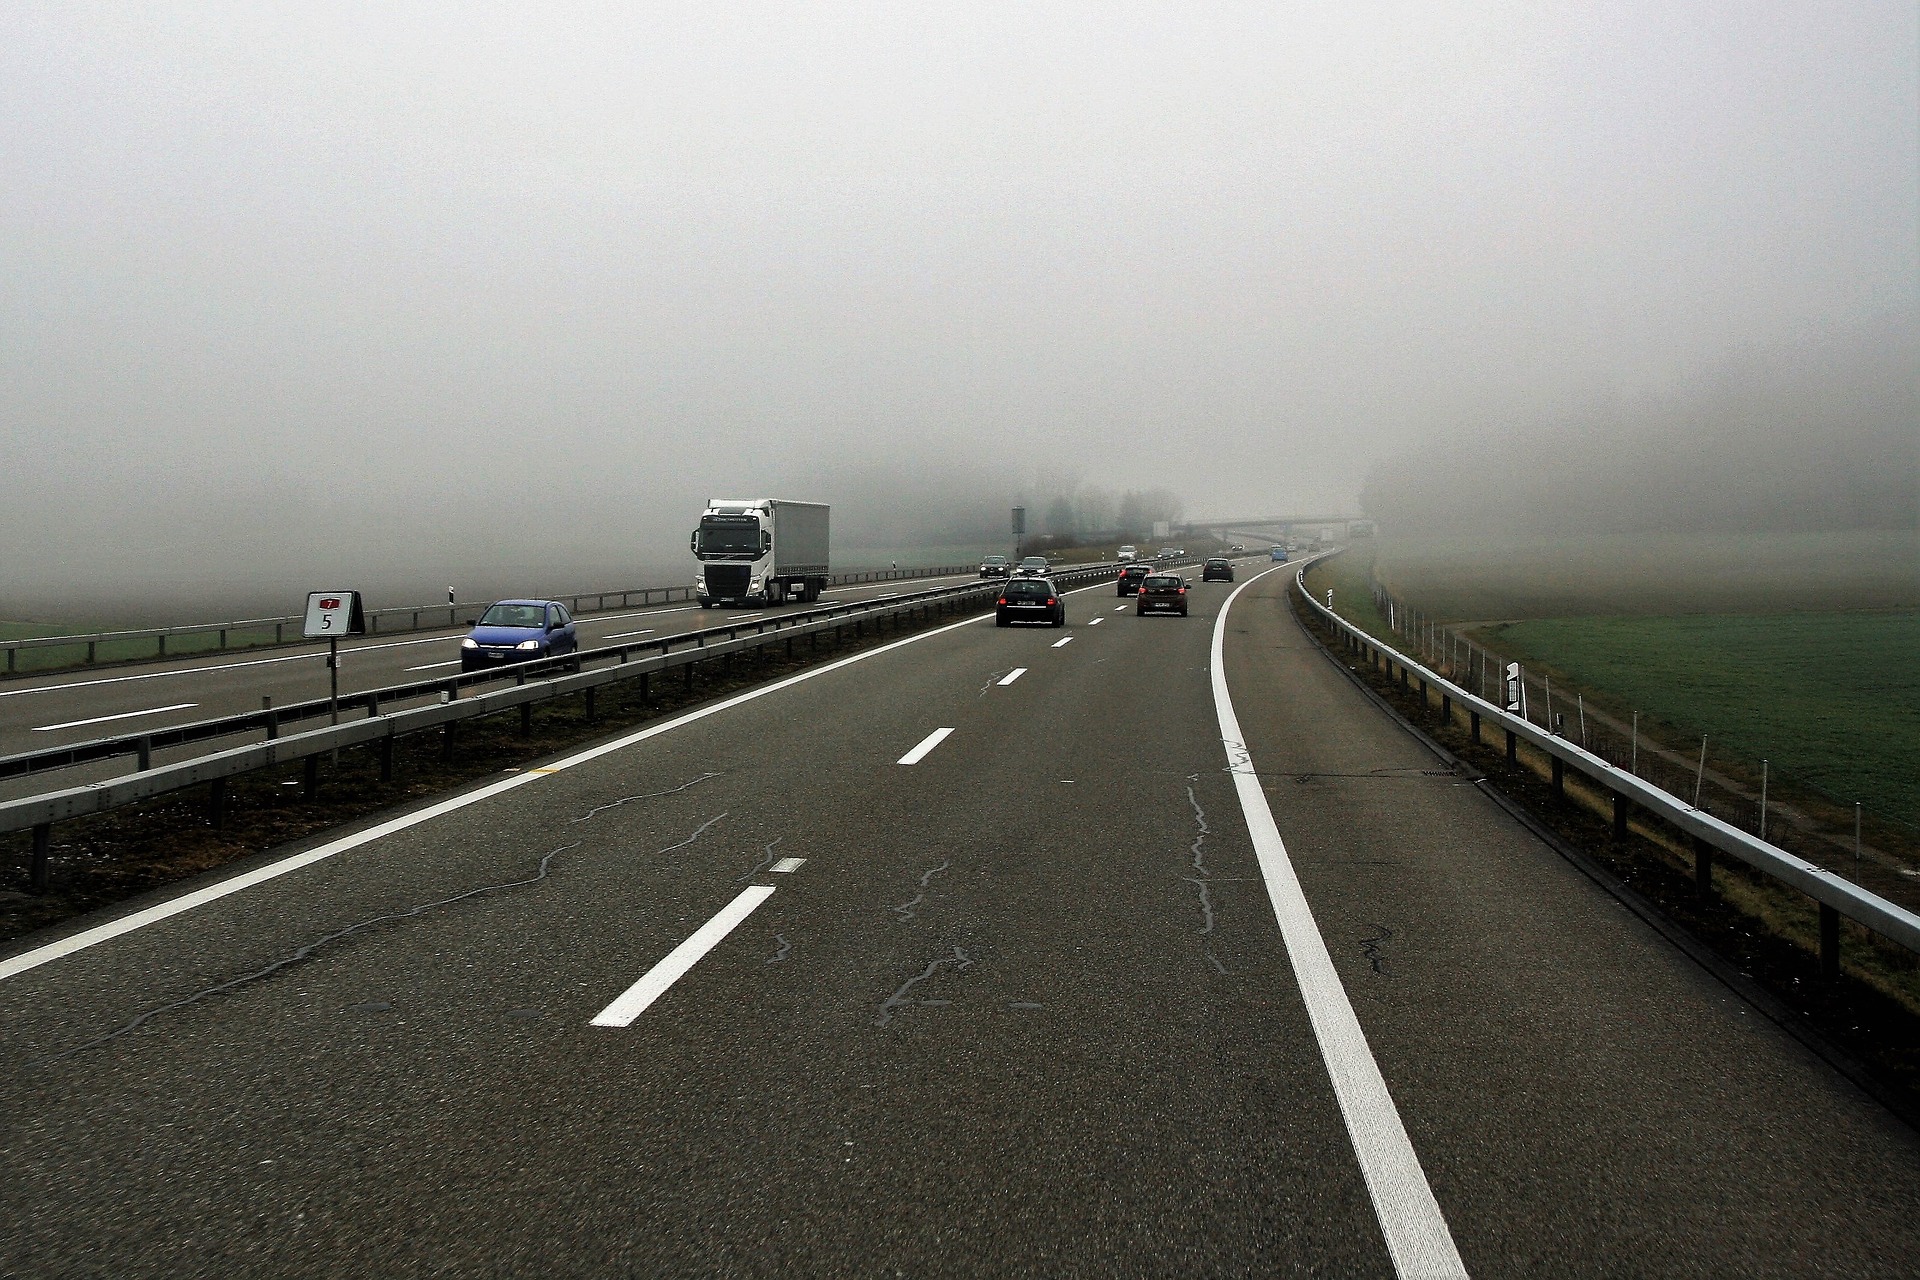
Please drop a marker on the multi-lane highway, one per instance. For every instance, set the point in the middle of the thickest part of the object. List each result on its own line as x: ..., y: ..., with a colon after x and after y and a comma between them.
x: 54, y: 710
x: 1146, y: 947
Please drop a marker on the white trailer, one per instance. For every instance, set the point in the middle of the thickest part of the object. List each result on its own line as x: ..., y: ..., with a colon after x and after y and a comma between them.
x: 760, y: 551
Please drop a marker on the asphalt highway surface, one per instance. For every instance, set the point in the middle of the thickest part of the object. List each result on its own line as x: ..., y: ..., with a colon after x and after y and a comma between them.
x: 1143, y: 947
x: 42, y: 711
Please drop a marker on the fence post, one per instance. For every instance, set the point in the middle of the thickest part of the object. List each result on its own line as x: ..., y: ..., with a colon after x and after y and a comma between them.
x: 39, y: 876
x: 1702, y: 867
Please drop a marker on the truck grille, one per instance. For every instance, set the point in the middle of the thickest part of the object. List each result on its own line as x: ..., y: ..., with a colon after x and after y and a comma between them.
x: 728, y: 579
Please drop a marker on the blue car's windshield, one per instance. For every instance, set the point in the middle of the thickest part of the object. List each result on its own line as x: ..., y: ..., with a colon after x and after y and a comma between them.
x: 514, y: 615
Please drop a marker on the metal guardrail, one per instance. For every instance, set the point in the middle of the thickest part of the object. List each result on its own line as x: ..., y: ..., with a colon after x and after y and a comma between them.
x: 384, y: 621
x: 563, y: 676
x: 1836, y: 895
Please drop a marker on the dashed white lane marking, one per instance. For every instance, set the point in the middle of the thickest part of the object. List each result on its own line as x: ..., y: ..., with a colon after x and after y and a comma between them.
x: 1123, y: 608
x: 1416, y: 1232
x: 788, y: 864
x: 124, y: 715
x: 213, y: 893
x: 224, y: 666
x: 1058, y: 643
x: 622, y: 635
x: 927, y: 744
x: 435, y: 666
x: 1013, y: 675
x: 654, y: 983
x: 1096, y: 622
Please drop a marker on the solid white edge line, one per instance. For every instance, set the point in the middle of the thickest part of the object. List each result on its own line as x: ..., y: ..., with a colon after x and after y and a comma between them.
x: 654, y: 982
x: 1416, y: 1231
x: 927, y: 744
x: 152, y: 915
x: 123, y: 715
x: 212, y: 893
x: 1013, y: 675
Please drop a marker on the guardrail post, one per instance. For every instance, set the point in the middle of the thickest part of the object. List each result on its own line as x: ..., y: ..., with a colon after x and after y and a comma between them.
x: 689, y: 673
x: 1473, y: 718
x: 217, y: 803
x: 1621, y: 806
x: 273, y: 717
x: 145, y: 747
x: 223, y: 637
x: 526, y: 719
x: 446, y: 743
x: 1513, y: 748
x: 590, y: 715
x: 310, y: 777
x: 1446, y: 708
x: 1559, y: 778
x: 38, y: 874
x: 386, y: 758
x: 90, y: 647
x: 646, y: 693
x: 1702, y: 867
x: 162, y: 637
x: 1829, y: 942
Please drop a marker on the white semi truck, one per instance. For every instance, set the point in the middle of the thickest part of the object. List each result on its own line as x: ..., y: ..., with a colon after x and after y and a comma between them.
x: 760, y: 551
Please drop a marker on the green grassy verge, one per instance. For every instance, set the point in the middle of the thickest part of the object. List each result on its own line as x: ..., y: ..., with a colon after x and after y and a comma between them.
x: 1831, y: 699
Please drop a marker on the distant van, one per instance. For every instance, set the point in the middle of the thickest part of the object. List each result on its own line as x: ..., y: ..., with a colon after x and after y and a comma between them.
x: 1129, y: 553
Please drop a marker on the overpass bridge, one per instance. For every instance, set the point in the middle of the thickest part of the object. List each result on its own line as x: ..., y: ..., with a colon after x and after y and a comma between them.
x: 1283, y: 526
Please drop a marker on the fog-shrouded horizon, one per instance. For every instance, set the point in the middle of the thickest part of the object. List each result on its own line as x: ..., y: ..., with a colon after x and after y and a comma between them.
x: 418, y: 296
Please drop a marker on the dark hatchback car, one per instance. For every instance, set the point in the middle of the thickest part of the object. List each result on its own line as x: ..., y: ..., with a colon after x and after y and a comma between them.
x: 1161, y: 593
x: 1030, y: 600
x: 1218, y: 567
x: 1131, y: 575
x: 518, y: 631
x: 995, y: 567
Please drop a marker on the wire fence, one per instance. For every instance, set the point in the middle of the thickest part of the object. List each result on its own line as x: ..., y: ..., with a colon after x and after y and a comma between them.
x: 1869, y: 845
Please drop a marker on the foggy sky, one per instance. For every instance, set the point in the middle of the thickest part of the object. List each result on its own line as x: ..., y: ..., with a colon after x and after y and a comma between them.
x: 344, y: 292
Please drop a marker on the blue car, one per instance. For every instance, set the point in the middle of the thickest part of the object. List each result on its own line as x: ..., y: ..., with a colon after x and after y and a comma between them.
x: 518, y: 631
x: 1279, y: 555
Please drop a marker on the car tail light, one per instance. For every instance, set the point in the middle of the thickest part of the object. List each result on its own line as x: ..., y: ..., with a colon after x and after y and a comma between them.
x: 1001, y: 600
x: 1183, y: 591
x: 1050, y: 600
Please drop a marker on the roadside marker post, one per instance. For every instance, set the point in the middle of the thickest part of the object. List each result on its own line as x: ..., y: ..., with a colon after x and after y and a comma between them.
x: 330, y: 615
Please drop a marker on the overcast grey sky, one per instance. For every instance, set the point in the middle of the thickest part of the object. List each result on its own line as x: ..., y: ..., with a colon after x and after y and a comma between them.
x: 472, y: 273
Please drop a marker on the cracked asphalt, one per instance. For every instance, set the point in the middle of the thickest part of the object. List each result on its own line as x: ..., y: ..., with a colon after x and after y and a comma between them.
x: 1024, y: 1009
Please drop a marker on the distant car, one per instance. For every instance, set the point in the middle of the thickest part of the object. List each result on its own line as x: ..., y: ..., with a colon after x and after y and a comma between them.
x: 995, y: 567
x: 1237, y: 548
x: 1034, y: 567
x: 1130, y: 576
x: 1279, y: 555
x: 1218, y: 567
x: 1161, y: 593
x: 1128, y: 553
x: 1030, y: 600
x: 518, y: 631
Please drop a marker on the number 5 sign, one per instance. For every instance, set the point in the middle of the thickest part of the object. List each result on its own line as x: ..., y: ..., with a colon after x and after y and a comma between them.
x: 334, y: 613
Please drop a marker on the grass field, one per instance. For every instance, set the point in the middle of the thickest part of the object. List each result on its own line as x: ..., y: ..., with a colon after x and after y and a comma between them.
x: 1830, y: 699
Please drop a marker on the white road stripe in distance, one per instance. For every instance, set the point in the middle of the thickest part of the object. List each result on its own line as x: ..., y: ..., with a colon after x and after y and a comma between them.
x: 1416, y: 1232
x: 1058, y: 643
x: 1013, y: 675
x: 654, y: 983
x: 1123, y: 608
x: 927, y: 744
x: 124, y: 715
x: 786, y: 865
x: 1096, y: 622
x: 161, y: 911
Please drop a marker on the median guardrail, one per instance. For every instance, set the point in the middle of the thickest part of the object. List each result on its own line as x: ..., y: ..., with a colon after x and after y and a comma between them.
x: 534, y: 682
x: 1836, y: 895
x: 251, y: 633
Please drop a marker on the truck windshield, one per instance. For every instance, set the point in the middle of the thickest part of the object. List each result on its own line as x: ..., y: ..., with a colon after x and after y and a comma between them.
x: 730, y: 537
